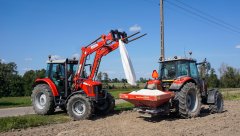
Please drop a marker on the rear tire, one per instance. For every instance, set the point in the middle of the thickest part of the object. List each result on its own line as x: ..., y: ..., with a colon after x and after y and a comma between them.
x: 107, y: 106
x: 79, y: 107
x: 42, y: 100
x: 189, y: 101
x: 217, y: 107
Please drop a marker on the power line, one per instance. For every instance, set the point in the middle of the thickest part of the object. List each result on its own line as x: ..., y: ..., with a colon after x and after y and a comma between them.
x: 212, y: 17
x: 200, y: 14
x: 219, y: 23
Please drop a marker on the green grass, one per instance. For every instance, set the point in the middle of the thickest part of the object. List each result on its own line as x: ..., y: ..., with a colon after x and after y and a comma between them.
x: 120, y: 85
x: 231, y: 93
x: 116, y: 92
x: 7, y: 102
x: 26, y: 121
x: 124, y: 106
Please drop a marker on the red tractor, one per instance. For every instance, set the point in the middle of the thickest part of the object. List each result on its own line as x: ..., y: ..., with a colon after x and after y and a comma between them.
x: 68, y: 86
x: 184, y: 91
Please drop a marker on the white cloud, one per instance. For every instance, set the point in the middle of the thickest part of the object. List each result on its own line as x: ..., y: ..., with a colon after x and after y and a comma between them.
x: 135, y: 28
x: 28, y: 59
x: 237, y: 46
x: 2, y: 60
x: 56, y: 57
x: 76, y: 55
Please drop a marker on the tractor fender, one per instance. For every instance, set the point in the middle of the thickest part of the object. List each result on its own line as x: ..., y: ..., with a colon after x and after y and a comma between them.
x: 211, y: 96
x: 50, y: 84
x: 180, y: 81
x: 76, y: 92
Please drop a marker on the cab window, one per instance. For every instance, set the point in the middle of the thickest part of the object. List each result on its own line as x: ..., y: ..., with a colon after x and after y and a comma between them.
x: 183, y: 69
x: 193, y: 70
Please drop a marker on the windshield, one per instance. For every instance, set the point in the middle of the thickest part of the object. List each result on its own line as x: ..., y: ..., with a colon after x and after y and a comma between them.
x: 168, y: 70
x: 182, y: 68
x: 172, y: 69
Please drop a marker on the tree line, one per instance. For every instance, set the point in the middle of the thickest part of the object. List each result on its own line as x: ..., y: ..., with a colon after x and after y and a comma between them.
x: 14, y: 84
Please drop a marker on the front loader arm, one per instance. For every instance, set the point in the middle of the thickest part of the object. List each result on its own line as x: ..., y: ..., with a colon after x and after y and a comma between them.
x: 107, y: 44
x: 99, y: 54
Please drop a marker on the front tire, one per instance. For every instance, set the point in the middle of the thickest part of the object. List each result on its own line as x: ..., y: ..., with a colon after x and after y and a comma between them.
x: 107, y: 106
x: 217, y: 107
x: 189, y: 101
x: 42, y: 100
x: 79, y: 107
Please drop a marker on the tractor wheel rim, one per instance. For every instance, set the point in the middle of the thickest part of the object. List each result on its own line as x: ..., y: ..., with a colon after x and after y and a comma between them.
x: 79, y: 108
x: 41, y: 100
x: 192, y: 101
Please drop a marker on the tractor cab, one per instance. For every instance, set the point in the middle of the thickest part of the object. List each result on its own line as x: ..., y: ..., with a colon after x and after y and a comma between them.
x: 173, y: 69
x: 177, y: 69
x: 61, y: 72
x: 173, y: 73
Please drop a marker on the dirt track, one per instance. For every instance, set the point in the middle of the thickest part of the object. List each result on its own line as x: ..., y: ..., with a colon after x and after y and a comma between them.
x: 129, y: 123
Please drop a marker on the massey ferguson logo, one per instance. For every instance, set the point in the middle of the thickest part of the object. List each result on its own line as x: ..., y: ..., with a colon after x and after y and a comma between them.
x: 95, y: 45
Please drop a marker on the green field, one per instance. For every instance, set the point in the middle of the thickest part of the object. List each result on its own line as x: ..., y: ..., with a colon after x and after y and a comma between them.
x: 231, y: 93
x: 7, y: 102
x: 116, y: 92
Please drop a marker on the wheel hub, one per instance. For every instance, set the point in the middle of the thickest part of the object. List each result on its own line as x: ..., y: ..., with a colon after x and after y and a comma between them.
x: 192, y: 101
x: 79, y: 108
x: 41, y: 100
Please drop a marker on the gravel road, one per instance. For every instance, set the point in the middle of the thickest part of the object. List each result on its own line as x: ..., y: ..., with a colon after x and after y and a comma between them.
x: 6, y: 112
x: 131, y: 124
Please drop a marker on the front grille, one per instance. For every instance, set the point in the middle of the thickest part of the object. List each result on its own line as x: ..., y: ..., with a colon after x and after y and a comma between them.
x: 98, y: 89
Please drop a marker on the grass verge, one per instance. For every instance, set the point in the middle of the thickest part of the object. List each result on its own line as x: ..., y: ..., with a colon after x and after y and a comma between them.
x: 7, y: 102
x: 116, y: 92
x: 231, y: 93
x: 124, y: 106
x: 26, y: 121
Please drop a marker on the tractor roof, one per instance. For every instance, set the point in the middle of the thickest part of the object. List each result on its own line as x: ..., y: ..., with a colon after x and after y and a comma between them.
x: 60, y: 61
x: 178, y: 59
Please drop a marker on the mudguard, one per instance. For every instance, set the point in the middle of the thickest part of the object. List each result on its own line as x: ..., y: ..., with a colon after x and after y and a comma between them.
x: 76, y: 92
x: 211, y: 96
x: 179, y: 82
x: 50, y: 84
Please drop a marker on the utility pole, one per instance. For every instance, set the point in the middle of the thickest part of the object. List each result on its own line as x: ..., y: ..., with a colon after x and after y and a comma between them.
x: 162, y: 58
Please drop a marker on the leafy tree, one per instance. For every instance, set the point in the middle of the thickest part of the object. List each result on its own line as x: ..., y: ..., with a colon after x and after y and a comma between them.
x: 99, y: 76
x: 40, y: 73
x: 143, y: 80
x: 213, y: 81
x: 10, y: 82
x: 105, y: 77
x: 229, y: 76
x: 115, y: 80
x: 124, y: 80
x: 16, y: 86
x: 29, y: 77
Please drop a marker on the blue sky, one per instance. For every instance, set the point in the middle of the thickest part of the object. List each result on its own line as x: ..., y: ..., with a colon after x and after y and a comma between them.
x: 31, y: 30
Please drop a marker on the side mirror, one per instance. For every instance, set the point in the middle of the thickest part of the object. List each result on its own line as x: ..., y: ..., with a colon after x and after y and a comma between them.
x: 155, y: 74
